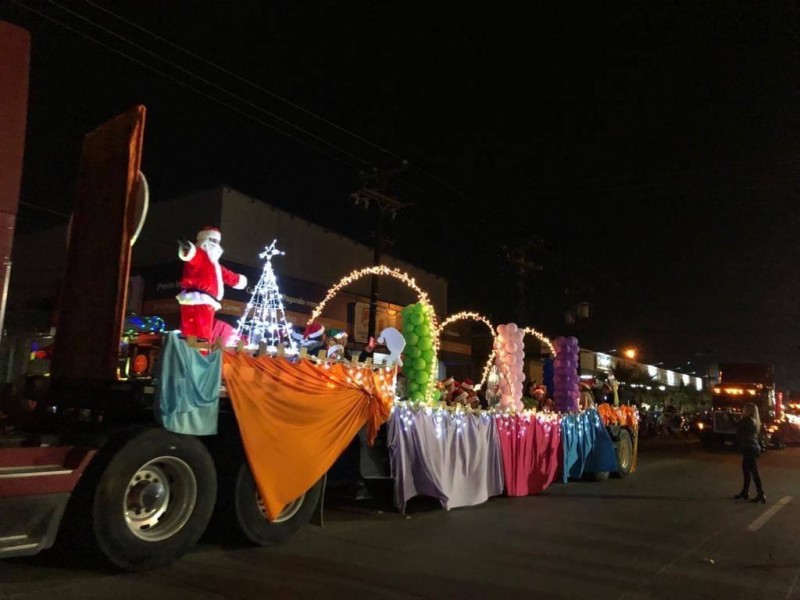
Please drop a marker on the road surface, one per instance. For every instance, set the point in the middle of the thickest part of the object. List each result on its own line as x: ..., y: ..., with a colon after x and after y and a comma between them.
x: 669, y: 531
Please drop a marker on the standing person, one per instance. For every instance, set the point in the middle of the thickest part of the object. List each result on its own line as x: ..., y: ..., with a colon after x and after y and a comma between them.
x: 202, y: 282
x: 747, y: 437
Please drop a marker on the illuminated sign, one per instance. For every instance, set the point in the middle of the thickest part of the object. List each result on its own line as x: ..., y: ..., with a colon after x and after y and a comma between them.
x: 603, y: 362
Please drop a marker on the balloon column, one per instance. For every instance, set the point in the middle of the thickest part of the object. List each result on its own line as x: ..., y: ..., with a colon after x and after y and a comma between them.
x: 419, y: 364
x: 509, y: 357
x: 565, y: 375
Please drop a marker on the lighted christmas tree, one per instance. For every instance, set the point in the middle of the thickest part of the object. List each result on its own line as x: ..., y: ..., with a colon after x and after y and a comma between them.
x: 264, y: 319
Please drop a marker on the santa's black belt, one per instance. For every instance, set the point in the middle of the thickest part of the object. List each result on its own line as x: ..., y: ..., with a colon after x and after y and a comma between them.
x: 195, y: 290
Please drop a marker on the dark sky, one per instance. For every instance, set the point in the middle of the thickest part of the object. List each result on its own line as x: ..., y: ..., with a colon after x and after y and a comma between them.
x: 647, y: 153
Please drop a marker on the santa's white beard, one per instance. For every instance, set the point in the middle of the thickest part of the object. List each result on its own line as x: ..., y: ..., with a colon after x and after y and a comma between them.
x: 214, y: 251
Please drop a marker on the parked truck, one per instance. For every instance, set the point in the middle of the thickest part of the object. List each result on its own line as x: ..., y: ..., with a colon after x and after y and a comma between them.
x: 739, y: 384
x: 90, y: 463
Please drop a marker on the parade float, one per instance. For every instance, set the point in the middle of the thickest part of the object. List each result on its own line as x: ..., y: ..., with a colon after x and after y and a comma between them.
x: 138, y: 437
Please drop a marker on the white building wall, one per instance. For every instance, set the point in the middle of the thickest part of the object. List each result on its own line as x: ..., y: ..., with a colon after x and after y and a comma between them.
x: 313, y: 253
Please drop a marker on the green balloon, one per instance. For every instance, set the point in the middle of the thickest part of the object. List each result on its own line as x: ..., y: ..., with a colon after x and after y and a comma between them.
x: 417, y: 396
x: 422, y: 377
x: 416, y: 318
x: 425, y: 344
x: 413, y: 352
x: 420, y: 364
x: 422, y: 330
x: 413, y: 386
x: 412, y: 340
x: 410, y: 373
x: 427, y: 355
x: 418, y: 308
x: 407, y: 309
x: 437, y: 395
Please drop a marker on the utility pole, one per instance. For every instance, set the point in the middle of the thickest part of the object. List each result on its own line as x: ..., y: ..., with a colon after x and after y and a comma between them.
x: 518, y: 257
x: 372, y: 196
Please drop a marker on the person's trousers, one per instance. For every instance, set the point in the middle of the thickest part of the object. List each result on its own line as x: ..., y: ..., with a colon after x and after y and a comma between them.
x: 197, y: 320
x: 750, y: 469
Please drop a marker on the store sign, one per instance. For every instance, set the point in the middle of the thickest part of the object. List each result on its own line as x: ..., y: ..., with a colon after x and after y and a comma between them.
x: 603, y: 362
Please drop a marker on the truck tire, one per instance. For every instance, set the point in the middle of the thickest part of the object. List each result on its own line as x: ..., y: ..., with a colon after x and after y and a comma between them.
x: 252, y: 519
x: 624, y: 453
x: 153, y: 500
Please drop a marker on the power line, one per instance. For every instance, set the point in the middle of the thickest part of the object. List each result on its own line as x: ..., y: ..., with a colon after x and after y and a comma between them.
x: 180, y: 83
x: 252, y: 84
x: 207, y: 81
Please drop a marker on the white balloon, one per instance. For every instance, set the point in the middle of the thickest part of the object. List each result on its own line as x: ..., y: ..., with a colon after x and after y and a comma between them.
x: 511, y: 327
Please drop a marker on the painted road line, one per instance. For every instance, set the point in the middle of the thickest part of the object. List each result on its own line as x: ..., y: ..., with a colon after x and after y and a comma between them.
x: 760, y: 521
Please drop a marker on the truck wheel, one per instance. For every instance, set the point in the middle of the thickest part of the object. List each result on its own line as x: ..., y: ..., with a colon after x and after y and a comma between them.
x: 253, y: 520
x: 624, y: 453
x: 153, y: 500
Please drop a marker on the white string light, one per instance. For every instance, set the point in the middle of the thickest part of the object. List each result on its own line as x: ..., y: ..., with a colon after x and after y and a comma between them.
x: 422, y: 298
x: 542, y: 338
x: 264, y: 318
x: 467, y: 315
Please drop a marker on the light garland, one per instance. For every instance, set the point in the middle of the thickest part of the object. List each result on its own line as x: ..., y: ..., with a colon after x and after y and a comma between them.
x: 542, y: 338
x: 374, y: 270
x: 467, y: 315
x: 422, y: 298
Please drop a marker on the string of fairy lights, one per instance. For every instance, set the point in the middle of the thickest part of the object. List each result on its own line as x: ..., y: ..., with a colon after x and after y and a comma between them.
x: 436, y: 329
x: 422, y: 298
x: 473, y: 316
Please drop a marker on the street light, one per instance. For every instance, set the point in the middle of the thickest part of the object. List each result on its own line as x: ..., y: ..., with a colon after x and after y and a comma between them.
x: 630, y: 353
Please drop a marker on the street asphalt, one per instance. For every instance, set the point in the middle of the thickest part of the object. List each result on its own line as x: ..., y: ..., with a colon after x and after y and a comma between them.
x: 671, y: 530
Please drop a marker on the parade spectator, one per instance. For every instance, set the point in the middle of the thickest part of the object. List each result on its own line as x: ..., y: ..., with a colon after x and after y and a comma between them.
x: 748, y: 439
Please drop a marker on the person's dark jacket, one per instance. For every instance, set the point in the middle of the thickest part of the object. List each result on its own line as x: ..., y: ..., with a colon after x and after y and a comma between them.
x: 747, y: 437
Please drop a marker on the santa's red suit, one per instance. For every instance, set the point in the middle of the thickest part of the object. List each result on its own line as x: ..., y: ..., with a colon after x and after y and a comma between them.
x: 202, y: 283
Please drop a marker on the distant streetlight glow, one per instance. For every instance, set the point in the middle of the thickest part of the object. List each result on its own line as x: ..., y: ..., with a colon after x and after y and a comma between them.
x: 630, y: 353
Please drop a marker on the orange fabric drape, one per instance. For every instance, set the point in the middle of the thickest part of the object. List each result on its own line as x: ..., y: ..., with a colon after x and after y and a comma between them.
x: 296, y: 419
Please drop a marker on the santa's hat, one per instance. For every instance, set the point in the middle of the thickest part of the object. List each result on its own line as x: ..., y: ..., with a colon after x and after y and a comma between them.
x: 462, y: 397
x: 314, y: 331
x: 209, y: 233
x: 340, y: 336
x: 540, y: 389
x: 449, y: 381
x: 467, y: 384
x: 585, y: 387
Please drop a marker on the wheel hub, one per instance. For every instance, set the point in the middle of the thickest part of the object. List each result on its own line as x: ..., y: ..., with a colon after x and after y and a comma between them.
x: 160, y: 498
x: 147, y: 496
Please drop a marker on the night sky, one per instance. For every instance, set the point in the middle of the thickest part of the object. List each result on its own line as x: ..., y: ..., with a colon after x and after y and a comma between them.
x: 646, y: 155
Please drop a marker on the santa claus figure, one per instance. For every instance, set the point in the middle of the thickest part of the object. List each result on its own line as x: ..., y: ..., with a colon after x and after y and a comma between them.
x: 202, y: 283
